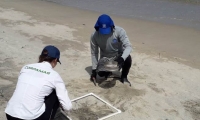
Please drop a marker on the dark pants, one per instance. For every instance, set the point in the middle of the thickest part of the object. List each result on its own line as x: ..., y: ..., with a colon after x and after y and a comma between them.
x: 125, y: 69
x: 52, y: 105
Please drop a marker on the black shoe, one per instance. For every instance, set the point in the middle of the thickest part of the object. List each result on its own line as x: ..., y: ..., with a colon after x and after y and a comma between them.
x: 124, y: 79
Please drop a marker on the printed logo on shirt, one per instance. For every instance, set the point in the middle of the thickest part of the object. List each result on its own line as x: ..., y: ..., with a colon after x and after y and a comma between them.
x: 38, y: 70
x: 114, y: 41
x: 104, y: 25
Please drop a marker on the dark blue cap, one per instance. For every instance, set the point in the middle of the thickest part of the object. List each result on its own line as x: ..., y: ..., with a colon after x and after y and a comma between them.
x: 52, y: 51
x: 104, y: 24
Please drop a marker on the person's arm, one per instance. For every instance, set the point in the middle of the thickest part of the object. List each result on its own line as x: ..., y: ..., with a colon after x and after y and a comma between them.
x: 125, y: 43
x: 62, y: 93
x: 94, y: 52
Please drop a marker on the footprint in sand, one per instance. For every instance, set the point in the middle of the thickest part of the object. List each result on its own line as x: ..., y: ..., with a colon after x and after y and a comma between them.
x: 193, y: 107
x: 154, y: 88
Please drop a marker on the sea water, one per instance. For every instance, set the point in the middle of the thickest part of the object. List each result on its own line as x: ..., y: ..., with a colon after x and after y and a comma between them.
x: 179, y: 12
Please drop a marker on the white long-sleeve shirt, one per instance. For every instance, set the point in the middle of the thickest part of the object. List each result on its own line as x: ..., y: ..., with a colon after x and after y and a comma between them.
x: 34, y: 83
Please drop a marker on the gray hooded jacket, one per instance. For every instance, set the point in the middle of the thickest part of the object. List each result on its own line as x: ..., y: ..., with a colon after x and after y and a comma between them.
x: 110, y: 45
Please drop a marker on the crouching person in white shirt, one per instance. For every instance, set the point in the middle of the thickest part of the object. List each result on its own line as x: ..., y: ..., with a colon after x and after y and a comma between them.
x: 40, y: 90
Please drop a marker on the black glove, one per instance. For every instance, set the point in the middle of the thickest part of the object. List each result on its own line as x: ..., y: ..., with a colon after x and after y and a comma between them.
x: 93, y: 75
x: 120, y: 61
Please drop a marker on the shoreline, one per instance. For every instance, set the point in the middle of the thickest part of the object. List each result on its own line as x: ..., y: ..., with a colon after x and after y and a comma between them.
x: 161, y: 11
x: 161, y: 88
x: 149, y: 37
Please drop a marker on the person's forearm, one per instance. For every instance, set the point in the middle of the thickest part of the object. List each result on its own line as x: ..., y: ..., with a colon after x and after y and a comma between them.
x: 126, y: 52
x: 65, y: 102
x: 94, y: 61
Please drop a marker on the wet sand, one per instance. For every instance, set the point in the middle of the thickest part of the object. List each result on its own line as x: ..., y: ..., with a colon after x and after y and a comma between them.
x: 164, y: 74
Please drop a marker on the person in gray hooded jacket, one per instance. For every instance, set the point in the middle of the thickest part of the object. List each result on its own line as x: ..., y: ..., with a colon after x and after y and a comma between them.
x: 112, y: 41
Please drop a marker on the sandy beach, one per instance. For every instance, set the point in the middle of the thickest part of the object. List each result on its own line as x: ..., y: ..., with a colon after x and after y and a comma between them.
x: 164, y: 75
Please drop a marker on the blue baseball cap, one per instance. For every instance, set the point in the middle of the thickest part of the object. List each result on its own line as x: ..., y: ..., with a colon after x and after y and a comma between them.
x: 104, y: 24
x: 52, y: 51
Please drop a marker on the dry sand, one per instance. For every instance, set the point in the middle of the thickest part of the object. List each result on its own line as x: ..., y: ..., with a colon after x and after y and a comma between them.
x: 162, y: 88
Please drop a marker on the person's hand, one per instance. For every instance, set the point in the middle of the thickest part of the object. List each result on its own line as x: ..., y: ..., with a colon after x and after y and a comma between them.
x: 120, y: 61
x: 62, y: 107
x: 93, y: 75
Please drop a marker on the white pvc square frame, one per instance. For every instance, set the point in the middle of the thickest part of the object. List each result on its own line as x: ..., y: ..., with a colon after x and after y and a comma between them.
x: 92, y: 94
